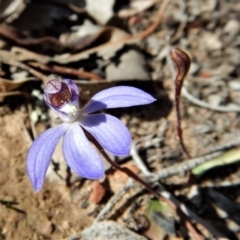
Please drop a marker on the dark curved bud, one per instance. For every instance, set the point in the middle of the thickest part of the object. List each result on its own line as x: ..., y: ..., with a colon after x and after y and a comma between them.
x: 181, y: 62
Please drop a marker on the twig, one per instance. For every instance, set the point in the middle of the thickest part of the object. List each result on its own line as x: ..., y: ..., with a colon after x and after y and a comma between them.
x: 23, y: 66
x: 65, y: 70
x: 110, y: 204
x: 182, y: 167
x: 134, y: 154
x: 203, y: 104
x: 234, y: 143
x: 12, y: 34
x: 35, y: 73
x: 192, y: 163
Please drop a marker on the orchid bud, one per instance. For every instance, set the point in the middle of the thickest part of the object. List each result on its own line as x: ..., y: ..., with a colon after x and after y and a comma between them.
x: 63, y: 97
x: 181, y: 62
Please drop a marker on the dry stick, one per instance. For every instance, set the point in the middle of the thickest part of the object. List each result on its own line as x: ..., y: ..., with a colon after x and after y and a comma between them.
x: 192, y: 163
x: 203, y: 104
x: 65, y: 70
x: 134, y: 154
x: 23, y: 66
x: 10, y: 33
x: 183, y: 167
x: 35, y: 73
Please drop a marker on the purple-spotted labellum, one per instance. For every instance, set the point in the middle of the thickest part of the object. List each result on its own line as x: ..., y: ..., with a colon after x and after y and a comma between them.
x: 62, y: 96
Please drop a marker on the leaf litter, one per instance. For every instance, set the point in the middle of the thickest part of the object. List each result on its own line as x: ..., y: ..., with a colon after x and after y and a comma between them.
x: 130, y: 45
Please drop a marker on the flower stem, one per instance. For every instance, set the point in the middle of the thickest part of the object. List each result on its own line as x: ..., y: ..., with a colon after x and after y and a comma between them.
x: 181, y: 63
x: 179, y: 119
x: 122, y: 169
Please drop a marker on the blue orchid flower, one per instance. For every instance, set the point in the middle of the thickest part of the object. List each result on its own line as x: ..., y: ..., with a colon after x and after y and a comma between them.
x: 62, y: 96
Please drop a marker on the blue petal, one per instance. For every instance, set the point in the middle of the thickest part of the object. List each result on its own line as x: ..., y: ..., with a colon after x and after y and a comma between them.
x: 80, y: 154
x: 110, y: 132
x: 40, y: 153
x: 117, y: 97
